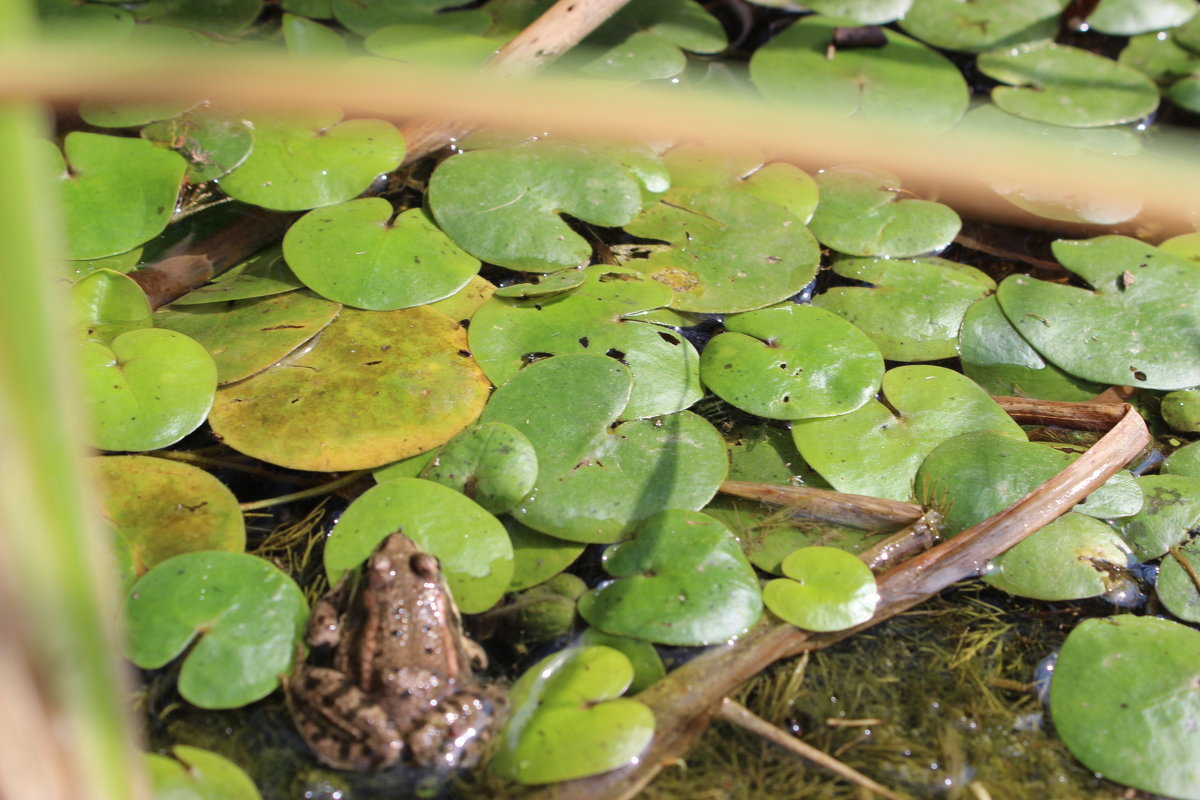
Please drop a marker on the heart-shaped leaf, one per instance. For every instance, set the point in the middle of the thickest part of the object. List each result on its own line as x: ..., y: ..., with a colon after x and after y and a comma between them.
x: 647, y: 663
x: 212, y: 143
x: 196, y: 774
x: 493, y: 464
x: 1171, y: 509
x: 1069, y: 559
x: 106, y: 304
x: 536, y: 556
x: 263, y: 274
x: 681, y: 580
x: 1176, y: 585
x: 1184, y: 461
x: 1129, y: 17
x: 826, y: 589
x: 982, y: 24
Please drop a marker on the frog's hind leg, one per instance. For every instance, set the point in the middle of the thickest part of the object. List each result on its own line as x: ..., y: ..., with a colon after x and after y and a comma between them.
x: 340, y: 722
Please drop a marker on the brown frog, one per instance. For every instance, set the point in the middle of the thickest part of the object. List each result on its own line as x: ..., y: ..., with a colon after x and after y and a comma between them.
x: 400, y: 684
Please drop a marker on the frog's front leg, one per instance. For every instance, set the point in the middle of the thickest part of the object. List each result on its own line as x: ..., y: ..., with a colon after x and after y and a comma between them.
x: 340, y: 722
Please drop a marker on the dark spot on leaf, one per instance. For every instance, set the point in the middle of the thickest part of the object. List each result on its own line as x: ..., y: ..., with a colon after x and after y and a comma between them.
x: 372, y: 363
x: 537, y: 307
x: 538, y: 355
x: 619, y: 355
x: 281, y: 327
x: 1138, y: 374
x: 583, y: 340
x: 668, y: 338
x: 787, y: 398
x: 466, y: 323
x: 465, y: 353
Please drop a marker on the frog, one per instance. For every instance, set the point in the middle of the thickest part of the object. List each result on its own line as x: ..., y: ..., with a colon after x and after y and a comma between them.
x: 391, y: 676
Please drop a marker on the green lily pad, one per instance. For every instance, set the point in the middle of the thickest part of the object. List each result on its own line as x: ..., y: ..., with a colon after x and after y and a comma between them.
x: 1130, y: 17
x: 911, y: 309
x: 416, y: 43
x: 863, y: 212
x: 544, y: 612
x: 564, y: 280
x: 595, y: 483
x: 374, y: 387
x: 506, y: 334
x: 1136, y: 327
x: 645, y: 40
x: 304, y: 161
x: 536, y: 556
x: 647, y: 663
x: 1185, y: 93
x: 105, y: 304
x: 196, y: 774
x: 982, y: 24
x: 876, y: 452
x: 1188, y: 34
x: 981, y: 473
x: 65, y: 22
x: 471, y: 544
x: 493, y: 464
x: 263, y: 274
x: 245, y: 337
x: 569, y: 719
x: 826, y: 589
x: 1184, y: 461
x: 1124, y: 700
x: 117, y: 192
x: 359, y: 254
x: 792, y: 362
x: 212, y: 143
x: 236, y: 616
x: 733, y: 251
x: 1069, y: 559
x: 147, y: 389
x: 904, y: 79
x: 1171, y: 509
x: 1160, y: 58
x: 163, y: 508
x: 121, y: 262
x: 130, y: 115
x: 1176, y: 587
x: 995, y: 356
x: 681, y: 580
x: 784, y: 185
x: 502, y: 205
x: 1181, y: 410
x: 307, y: 38
x: 219, y: 16
x: 862, y: 12
x: 1067, y: 86
x: 366, y: 16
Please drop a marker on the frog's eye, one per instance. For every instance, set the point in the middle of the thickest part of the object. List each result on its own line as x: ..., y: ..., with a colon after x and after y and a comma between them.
x: 424, y: 565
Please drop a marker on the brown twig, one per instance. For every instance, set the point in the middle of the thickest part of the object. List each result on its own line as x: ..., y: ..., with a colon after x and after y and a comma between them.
x: 853, y: 510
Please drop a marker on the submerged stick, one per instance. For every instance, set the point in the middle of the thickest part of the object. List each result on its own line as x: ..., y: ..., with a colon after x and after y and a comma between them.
x: 686, y: 700
x: 852, y: 510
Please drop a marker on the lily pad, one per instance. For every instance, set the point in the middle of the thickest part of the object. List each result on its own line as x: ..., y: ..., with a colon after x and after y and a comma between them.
x: 373, y: 388
x: 1184, y: 461
x: 862, y: 12
x: 219, y: 16
x: 471, y: 544
x: 1131, y: 17
x: 564, y: 280
x: 147, y: 389
x: 682, y: 580
x: 196, y: 774
x: 569, y: 719
x: 1137, y: 326
x: 864, y: 212
x: 1067, y: 86
x: 493, y: 464
x: 212, y: 143
x: 366, y: 16
x: 982, y: 24
x: 130, y: 115
x: 502, y: 205
x: 995, y: 356
x: 106, y: 304
x: 163, y: 508
x: 1069, y: 559
x: 303, y: 161
x: 536, y: 556
x: 415, y: 43
x: 236, y: 616
x: 647, y: 664
x: 1171, y: 510
x: 310, y: 39
x: 505, y: 334
x: 1124, y: 700
x: 245, y: 337
x: 596, y: 483
x: 826, y: 589
x: 911, y: 309
x: 645, y: 40
x: 263, y: 274
x: 1181, y: 410
x: 876, y: 452
x: 359, y: 254
x: 117, y: 192
x: 1176, y: 584
x: 903, y: 79
x: 792, y: 362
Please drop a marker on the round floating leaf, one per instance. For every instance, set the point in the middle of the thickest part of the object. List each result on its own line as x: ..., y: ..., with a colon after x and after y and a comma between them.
x: 212, y: 143
x: 502, y: 205
x: 163, y: 508
x: 981, y: 473
x: 1067, y: 86
x: 862, y: 12
x: 358, y: 254
x: 872, y: 451
x: 1171, y: 509
x: 864, y: 213
x: 505, y: 334
x: 373, y: 388
x: 826, y: 589
x: 198, y: 775
x: 106, y: 304
x: 237, y: 616
x: 911, y: 309
x: 1130, y: 17
x: 307, y: 38
x: 218, y: 16
x: 1124, y: 701
x: 1176, y: 584
x: 641, y: 57
x: 552, y: 283
x: 89, y: 26
x: 365, y: 16
x: 903, y: 79
x: 792, y: 362
x: 784, y: 185
x: 129, y: 115
x: 1136, y: 327
x: 1184, y: 461
x: 1162, y: 59
x: 569, y: 719
x: 996, y: 357
x: 117, y: 193
x: 471, y: 544
x: 414, y: 43
x: 536, y: 556
x: 493, y: 464
x: 682, y: 580
x: 263, y: 274
x: 149, y: 388
x: 1069, y: 559
x: 308, y: 160
x: 247, y: 336
x: 1181, y: 410
x: 644, y: 40
x: 545, y: 612
x: 647, y: 664
x: 982, y: 24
